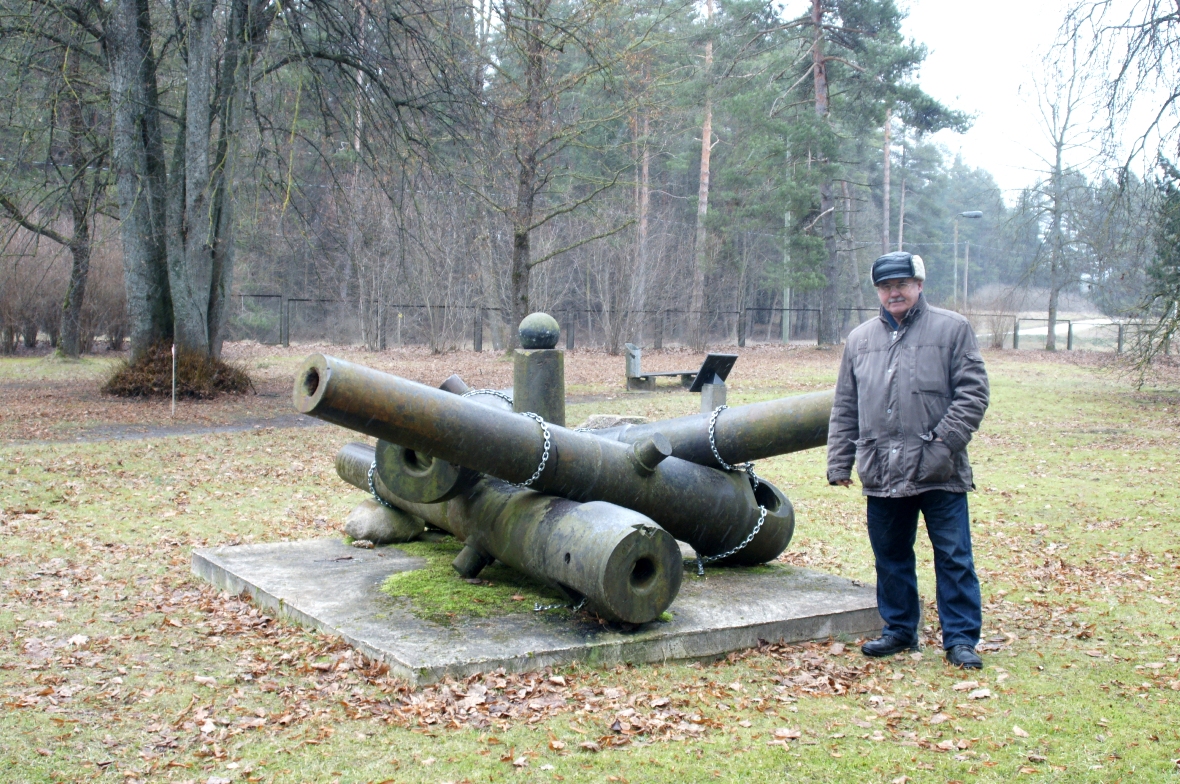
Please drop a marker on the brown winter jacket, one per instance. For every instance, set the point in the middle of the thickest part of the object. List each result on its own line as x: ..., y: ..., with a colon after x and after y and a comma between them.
x: 899, y: 391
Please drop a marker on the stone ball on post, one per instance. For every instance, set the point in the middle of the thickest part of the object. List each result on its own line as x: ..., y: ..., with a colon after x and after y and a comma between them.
x: 539, y: 330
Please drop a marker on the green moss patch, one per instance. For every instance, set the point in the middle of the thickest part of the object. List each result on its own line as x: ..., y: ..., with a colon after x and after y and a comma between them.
x: 436, y: 593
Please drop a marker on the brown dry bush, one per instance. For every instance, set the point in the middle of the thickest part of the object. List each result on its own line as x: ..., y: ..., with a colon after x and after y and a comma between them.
x: 197, y: 376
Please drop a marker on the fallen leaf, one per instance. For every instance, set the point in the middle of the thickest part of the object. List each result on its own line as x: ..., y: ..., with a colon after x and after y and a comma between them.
x: 966, y: 685
x: 939, y: 718
x: 787, y: 733
x: 589, y: 745
x: 205, y: 680
x: 836, y: 649
x: 1018, y: 732
x: 980, y: 694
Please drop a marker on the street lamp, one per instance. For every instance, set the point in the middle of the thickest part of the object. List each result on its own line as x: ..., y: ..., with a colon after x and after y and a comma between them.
x: 967, y: 214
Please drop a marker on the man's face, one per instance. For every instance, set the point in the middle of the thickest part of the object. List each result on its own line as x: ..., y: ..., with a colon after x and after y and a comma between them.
x: 899, y: 295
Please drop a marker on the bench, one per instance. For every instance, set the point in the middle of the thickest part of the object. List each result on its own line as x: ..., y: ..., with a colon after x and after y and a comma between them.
x: 637, y: 379
x: 712, y: 373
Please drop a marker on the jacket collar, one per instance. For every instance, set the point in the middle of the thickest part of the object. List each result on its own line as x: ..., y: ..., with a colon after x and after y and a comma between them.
x: 912, y: 315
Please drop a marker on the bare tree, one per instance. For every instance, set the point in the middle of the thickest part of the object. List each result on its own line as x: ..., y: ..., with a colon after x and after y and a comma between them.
x: 545, y: 56
x: 1062, y: 101
x: 63, y: 58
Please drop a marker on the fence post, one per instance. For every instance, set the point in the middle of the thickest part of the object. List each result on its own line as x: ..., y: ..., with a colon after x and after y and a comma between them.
x: 477, y: 335
x: 741, y: 328
x: 284, y: 321
x: 1016, y: 334
x: 1122, y: 332
x: 658, y: 338
x: 1069, y: 335
x: 571, y: 323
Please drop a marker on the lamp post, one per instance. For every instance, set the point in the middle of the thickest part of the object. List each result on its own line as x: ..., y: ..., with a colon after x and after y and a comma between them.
x: 968, y: 214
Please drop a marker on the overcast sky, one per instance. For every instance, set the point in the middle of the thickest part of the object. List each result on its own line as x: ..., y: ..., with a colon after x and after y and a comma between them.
x: 982, y: 57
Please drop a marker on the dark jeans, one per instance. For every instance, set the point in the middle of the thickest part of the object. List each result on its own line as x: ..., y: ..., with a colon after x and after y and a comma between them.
x: 893, y: 526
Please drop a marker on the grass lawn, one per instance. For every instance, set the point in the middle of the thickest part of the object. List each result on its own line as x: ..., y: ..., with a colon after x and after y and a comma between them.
x: 117, y: 664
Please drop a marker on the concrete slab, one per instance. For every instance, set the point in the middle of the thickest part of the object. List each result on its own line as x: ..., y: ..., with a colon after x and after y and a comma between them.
x: 330, y: 586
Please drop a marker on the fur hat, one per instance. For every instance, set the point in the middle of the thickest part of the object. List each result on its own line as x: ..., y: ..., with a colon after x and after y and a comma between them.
x: 899, y: 264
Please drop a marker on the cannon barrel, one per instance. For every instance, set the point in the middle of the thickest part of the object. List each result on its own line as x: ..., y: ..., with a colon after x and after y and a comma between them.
x: 742, y: 433
x: 713, y: 511
x: 624, y: 565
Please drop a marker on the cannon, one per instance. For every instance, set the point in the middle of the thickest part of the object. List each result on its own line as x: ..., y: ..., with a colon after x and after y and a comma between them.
x: 741, y: 433
x: 620, y: 563
x: 718, y: 513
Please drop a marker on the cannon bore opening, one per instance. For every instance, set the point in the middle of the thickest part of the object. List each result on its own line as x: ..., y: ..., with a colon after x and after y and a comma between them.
x: 416, y: 461
x: 311, y: 381
x: 643, y: 573
x: 766, y: 497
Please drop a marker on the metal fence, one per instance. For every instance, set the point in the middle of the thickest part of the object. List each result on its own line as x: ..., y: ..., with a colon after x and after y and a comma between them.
x: 280, y: 320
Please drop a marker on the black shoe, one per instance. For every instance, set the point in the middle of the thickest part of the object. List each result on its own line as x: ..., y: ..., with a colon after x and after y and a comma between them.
x: 886, y: 645
x: 964, y: 657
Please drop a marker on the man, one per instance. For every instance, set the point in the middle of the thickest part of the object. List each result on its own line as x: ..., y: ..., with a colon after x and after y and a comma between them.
x: 911, y: 391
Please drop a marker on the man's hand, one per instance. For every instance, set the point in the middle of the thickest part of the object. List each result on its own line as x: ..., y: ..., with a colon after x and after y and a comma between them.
x: 843, y: 482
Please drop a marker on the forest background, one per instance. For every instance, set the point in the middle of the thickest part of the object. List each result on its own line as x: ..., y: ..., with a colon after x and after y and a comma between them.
x: 371, y: 172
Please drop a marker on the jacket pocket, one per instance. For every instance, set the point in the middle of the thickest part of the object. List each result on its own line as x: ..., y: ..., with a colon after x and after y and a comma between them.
x: 937, y: 464
x: 868, y: 464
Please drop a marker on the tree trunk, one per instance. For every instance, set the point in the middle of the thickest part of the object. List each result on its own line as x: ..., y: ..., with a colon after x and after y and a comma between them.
x: 886, y: 216
x: 641, y: 237
x: 138, y: 157
x: 901, y: 217
x: 200, y: 252
x: 526, y: 181
x: 828, y: 332
x: 80, y: 204
x: 700, y: 256
x: 853, y: 263
x: 1056, y: 249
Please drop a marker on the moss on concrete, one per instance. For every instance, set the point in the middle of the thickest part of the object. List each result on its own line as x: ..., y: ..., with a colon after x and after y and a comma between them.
x: 436, y: 593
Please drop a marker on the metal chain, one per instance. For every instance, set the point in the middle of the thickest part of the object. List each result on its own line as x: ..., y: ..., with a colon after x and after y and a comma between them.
x: 747, y: 467
x: 538, y: 607
x: 544, y: 455
x: 493, y: 392
x: 373, y: 488
x: 704, y: 559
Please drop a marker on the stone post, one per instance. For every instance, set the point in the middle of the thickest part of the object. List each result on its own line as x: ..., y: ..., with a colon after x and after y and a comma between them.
x: 538, y: 375
x: 712, y: 395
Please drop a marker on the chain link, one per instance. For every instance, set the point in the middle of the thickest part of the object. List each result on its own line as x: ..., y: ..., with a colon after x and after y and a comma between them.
x: 747, y: 467
x: 544, y: 455
x: 373, y: 488
x: 704, y: 559
x: 538, y: 607
x: 493, y: 392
